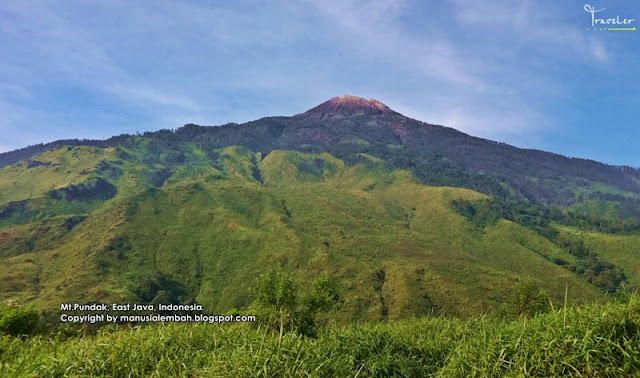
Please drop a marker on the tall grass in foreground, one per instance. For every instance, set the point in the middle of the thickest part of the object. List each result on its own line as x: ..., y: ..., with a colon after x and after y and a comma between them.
x: 596, y: 340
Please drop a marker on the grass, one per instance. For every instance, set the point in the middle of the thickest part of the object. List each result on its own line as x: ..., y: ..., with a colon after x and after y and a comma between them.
x: 591, y: 340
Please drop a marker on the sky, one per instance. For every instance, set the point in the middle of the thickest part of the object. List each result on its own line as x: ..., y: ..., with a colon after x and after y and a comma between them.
x: 534, y: 74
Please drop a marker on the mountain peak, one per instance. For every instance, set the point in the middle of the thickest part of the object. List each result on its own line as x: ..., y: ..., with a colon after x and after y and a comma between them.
x: 355, y: 101
x: 346, y: 106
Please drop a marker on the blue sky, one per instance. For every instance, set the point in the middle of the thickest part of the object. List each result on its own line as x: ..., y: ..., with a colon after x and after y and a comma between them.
x: 528, y: 73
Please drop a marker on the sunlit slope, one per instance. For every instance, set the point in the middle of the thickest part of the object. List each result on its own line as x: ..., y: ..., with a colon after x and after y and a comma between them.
x: 395, y: 247
x: 50, y: 170
x: 67, y: 182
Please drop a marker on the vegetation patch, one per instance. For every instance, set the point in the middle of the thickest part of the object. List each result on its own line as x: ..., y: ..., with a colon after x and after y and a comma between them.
x: 159, y: 177
x: 97, y: 189
x: 71, y: 222
x: 160, y: 288
x: 17, y: 207
x: 36, y: 163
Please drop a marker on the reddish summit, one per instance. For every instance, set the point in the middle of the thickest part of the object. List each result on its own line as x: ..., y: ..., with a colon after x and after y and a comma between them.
x: 347, y: 106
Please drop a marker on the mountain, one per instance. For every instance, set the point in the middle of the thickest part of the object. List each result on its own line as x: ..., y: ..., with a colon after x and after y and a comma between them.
x: 408, y: 218
x: 346, y: 126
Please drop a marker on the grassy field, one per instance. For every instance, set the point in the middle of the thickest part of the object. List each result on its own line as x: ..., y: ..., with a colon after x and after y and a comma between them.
x: 591, y: 340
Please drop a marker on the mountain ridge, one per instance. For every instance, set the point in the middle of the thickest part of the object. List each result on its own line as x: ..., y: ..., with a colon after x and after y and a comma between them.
x: 351, y: 102
x: 348, y: 125
x: 10, y: 157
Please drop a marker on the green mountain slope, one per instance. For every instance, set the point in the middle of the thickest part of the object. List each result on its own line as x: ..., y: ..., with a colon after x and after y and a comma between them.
x: 345, y: 188
x: 396, y: 247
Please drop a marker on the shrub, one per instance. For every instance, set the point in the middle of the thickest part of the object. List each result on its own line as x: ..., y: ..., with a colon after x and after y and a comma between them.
x: 280, y: 306
x: 18, y: 321
x: 526, y: 300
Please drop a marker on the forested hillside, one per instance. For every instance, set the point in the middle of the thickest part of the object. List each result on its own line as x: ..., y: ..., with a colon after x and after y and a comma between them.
x: 408, y: 218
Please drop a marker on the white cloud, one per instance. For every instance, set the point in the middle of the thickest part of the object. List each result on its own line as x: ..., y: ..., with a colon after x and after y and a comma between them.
x: 532, y: 25
x: 599, y: 51
x: 502, y: 122
x: 150, y: 95
x: 371, y: 28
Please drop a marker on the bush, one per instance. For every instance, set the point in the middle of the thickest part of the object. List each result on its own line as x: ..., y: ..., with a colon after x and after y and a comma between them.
x: 280, y: 306
x: 18, y: 321
x: 526, y: 300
